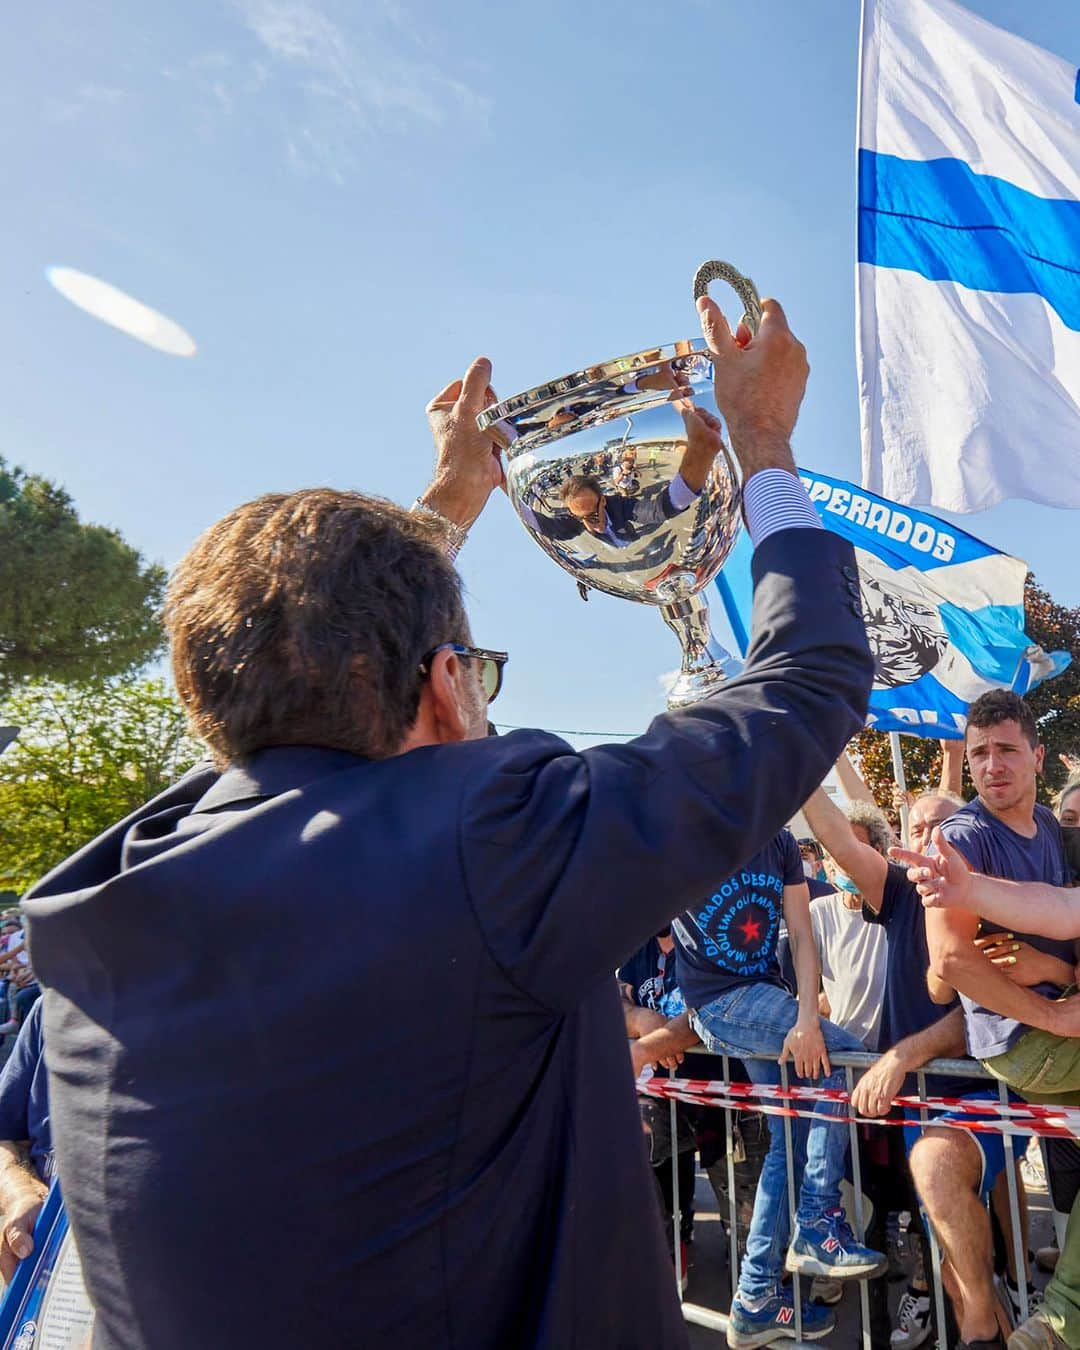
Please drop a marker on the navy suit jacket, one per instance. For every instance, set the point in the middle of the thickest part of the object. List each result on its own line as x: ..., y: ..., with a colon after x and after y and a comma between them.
x: 335, y: 1052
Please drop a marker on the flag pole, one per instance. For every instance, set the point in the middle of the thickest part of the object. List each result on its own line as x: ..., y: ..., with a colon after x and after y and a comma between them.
x: 901, y: 782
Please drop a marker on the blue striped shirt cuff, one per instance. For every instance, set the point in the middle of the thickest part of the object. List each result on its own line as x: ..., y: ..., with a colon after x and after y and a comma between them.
x: 775, y: 500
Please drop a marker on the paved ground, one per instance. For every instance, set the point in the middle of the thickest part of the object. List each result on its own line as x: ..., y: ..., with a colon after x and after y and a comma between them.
x: 708, y: 1273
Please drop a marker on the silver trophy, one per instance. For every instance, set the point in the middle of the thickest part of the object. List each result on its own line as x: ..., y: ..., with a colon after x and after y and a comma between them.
x: 618, y: 478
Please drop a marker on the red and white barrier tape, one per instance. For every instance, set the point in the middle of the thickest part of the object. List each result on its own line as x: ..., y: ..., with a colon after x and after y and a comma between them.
x: 1013, y: 1118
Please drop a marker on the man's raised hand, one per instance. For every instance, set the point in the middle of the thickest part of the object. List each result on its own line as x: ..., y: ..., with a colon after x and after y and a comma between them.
x: 943, y: 880
x: 468, y: 464
x: 759, y: 384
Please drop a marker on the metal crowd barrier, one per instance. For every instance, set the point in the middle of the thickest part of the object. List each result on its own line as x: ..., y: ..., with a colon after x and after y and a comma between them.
x: 850, y: 1062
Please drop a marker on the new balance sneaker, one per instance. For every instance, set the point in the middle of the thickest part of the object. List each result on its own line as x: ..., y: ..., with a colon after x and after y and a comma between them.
x: 775, y: 1321
x: 828, y: 1247
x: 912, y: 1320
x: 1036, y: 1334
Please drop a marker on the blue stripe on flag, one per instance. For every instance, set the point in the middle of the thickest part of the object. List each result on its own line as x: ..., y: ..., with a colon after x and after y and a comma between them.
x: 948, y: 223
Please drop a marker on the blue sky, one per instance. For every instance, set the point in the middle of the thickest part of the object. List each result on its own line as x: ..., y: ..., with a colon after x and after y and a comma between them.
x: 344, y: 202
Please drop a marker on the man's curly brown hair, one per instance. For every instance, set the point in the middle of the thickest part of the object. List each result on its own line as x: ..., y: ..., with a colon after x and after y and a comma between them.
x: 302, y: 619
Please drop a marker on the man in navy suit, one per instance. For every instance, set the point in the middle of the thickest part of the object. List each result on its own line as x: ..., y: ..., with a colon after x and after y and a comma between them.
x: 439, y: 1147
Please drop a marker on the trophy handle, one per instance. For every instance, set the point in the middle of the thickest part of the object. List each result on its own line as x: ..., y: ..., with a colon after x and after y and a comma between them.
x: 706, y: 663
x: 743, y: 287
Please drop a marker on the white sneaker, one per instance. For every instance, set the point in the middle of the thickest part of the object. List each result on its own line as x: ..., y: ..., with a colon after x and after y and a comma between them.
x: 912, y: 1321
x: 1011, y: 1298
x: 1032, y: 1168
x: 826, y: 1291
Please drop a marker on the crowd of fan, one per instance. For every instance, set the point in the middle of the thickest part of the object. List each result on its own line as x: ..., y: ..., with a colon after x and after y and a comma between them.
x: 19, y: 989
x: 889, y: 957
x: 820, y: 945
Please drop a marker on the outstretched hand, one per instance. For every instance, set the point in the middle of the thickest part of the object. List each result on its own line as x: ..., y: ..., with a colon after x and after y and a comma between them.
x: 759, y: 383
x: 468, y: 463
x: 943, y: 880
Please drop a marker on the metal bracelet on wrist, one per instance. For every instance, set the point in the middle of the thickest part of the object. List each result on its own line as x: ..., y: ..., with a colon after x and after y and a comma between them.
x: 455, y: 535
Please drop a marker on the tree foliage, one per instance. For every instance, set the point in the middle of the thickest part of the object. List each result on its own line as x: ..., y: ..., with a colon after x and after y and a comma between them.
x: 1055, y: 703
x: 86, y: 756
x: 76, y: 601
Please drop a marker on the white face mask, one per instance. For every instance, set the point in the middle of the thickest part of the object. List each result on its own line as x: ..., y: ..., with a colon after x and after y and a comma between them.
x: 809, y: 870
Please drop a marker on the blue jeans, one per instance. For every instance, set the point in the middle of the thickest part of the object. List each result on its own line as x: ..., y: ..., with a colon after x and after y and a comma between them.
x: 754, y: 1019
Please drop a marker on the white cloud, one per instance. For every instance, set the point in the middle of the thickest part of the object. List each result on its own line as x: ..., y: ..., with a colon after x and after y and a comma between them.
x: 85, y: 97
x: 349, y: 79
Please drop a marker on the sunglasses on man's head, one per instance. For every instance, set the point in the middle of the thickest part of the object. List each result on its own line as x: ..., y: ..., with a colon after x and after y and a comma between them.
x: 491, y: 664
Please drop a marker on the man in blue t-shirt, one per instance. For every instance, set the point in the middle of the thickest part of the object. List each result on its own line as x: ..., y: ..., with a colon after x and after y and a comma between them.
x: 26, y: 1158
x: 914, y: 1030
x: 1003, y: 833
x: 739, y: 1005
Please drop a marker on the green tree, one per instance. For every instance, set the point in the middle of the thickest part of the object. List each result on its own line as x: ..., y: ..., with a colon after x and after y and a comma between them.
x: 1055, y: 704
x: 86, y: 756
x: 76, y: 601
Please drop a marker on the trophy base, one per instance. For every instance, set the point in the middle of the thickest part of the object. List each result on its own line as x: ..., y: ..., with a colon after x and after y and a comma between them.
x: 706, y: 664
x: 694, y: 685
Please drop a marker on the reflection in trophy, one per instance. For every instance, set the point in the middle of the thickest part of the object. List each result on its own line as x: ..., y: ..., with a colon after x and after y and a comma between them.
x: 620, y: 474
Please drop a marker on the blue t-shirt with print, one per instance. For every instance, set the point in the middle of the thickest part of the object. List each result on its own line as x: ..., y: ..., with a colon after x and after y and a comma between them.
x: 731, y: 935
x: 994, y: 849
x: 652, y: 981
x: 650, y: 975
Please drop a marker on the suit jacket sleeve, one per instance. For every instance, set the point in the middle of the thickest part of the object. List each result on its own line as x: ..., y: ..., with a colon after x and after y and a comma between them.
x: 573, y: 860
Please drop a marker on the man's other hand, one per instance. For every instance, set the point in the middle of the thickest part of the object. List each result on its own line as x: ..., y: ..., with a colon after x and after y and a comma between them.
x: 639, y: 1058
x: 759, y: 384
x: 1024, y: 964
x: 18, y: 1239
x: 874, y: 1092
x: 468, y: 464
x: 805, y: 1044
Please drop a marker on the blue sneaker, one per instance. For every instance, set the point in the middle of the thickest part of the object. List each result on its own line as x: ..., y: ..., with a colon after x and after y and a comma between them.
x: 828, y: 1247
x: 775, y: 1322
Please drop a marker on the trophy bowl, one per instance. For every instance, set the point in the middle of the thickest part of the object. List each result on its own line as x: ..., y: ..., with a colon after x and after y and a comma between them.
x: 619, y: 479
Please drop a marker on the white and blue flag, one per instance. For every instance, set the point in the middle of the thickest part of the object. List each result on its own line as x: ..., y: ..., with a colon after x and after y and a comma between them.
x: 944, y: 611
x: 968, y: 285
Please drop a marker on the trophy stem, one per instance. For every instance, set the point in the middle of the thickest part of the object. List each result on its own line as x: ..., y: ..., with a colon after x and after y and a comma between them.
x: 705, y: 662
